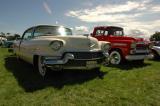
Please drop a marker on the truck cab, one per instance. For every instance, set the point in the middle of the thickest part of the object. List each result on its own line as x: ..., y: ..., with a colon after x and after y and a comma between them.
x: 122, y: 47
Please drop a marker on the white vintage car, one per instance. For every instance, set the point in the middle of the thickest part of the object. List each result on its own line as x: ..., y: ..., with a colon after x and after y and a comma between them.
x: 56, y: 48
x: 156, y: 50
x: 2, y: 40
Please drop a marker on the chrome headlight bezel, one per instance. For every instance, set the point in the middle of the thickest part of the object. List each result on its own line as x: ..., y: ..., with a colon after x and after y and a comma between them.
x: 106, y: 47
x: 56, y: 45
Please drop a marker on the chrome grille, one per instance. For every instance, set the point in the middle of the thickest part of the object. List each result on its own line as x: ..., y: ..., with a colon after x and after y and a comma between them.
x: 87, y: 55
x: 141, y: 47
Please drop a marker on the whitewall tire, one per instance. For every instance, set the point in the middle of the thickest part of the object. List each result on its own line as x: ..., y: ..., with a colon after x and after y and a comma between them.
x: 41, y: 69
x: 115, y: 57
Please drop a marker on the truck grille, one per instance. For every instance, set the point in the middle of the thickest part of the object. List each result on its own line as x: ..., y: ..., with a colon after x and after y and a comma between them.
x: 87, y: 55
x: 142, y: 47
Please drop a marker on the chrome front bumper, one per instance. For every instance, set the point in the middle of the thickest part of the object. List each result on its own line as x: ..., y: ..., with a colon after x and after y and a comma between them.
x: 138, y: 55
x: 68, y: 62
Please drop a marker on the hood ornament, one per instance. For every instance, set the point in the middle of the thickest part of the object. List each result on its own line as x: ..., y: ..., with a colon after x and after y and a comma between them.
x: 91, y: 44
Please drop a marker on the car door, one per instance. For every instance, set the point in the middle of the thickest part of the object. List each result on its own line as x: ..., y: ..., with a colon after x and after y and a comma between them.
x: 26, y: 45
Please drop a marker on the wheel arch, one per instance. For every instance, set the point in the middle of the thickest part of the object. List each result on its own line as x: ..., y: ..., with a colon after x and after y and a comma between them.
x: 115, y: 49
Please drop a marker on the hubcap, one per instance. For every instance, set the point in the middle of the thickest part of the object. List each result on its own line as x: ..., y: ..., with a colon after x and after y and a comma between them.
x: 115, y: 57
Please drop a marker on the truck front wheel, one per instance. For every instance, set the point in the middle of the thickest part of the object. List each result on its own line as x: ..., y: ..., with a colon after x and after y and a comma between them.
x: 115, y: 57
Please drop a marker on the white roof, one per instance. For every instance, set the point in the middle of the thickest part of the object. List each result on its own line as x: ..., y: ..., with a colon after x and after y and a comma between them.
x: 2, y: 38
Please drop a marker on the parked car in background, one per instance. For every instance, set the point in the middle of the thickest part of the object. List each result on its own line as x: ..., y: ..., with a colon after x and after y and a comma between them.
x: 56, y: 48
x: 122, y: 47
x: 156, y: 50
x: 2, y: 40
x: 8, y: 44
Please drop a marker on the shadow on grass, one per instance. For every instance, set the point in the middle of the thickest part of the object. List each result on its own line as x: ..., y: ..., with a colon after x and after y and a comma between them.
x: 129, y: 65
x: 157, y: 59
x: 32, y: 81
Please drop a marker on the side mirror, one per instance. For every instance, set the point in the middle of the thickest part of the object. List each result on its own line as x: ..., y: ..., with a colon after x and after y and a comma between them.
x: 91, y: 34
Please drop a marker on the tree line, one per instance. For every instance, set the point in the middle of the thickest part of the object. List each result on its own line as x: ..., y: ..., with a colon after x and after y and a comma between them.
x: 9, y: 36
x: 155, y: 37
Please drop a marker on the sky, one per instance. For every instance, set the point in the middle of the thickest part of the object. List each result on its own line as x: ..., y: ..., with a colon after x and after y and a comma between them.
x: 137, y: 17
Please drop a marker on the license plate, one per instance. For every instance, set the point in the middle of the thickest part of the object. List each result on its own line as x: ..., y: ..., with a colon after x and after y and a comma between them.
x: 91, y: 64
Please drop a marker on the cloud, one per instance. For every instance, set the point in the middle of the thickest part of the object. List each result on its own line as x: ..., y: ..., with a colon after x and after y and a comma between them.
x: 108, y: 18
x: 47, y: 8
x: 81, y: 28
x: 146, y: 28
x: 109, y: 12
x: 132, y: 15
x: 155, y: 9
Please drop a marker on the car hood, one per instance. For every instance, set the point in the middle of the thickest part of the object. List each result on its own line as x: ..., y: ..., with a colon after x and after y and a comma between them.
x: 74, y: 43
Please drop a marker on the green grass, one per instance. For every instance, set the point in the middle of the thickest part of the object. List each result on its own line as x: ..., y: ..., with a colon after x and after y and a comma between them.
x: 130, y: 84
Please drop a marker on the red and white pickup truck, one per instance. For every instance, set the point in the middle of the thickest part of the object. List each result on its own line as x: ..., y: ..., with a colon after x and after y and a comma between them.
x: 122, y: 47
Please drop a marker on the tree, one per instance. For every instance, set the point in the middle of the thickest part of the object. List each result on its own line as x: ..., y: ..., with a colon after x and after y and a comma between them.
x: 155, y: 36
x: 2, y: 34
x: 17, y: 36
x: 8, y: 33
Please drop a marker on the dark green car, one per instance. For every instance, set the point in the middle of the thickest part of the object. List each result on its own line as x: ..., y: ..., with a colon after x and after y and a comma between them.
x: 8, y: 44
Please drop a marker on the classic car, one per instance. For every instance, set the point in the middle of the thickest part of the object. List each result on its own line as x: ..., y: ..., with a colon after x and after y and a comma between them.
x: 156, y: 50
x: 55, y: 47
x: 122, y: 47
x: 2, y: 40
x: 8, y: 44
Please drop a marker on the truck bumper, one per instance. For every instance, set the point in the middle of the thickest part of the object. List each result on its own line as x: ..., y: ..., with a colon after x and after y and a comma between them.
x: 138, y: 57
x: 69, y: 61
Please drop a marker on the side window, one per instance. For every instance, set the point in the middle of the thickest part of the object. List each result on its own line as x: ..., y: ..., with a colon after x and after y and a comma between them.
x: 28, y: 34
x: 99, y: 32
x: 106, y: 33
x: 118, y: 33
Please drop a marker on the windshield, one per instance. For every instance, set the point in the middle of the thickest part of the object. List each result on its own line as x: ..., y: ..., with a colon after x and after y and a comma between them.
x: 52, y: 31
x: 116, y: 32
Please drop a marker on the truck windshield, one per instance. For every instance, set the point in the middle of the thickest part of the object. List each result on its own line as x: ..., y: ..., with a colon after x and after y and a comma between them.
x: 52, y: 31
x: 116, y: 32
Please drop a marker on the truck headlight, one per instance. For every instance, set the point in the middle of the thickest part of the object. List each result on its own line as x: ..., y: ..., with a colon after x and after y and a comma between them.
x: 133, y: 45
x: 106, y: 47
x: 56, y: 45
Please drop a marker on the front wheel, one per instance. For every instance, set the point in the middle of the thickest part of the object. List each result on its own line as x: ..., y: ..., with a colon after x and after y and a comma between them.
x: 41, y: 68
x: 115, y: 57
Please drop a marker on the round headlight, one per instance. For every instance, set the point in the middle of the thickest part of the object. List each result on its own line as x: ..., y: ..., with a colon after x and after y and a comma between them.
x: 133, y: 45
x: 106, y: 47
x: 56, y: 45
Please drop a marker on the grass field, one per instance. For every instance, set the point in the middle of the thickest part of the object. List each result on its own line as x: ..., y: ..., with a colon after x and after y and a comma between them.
x: 130, y: 84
